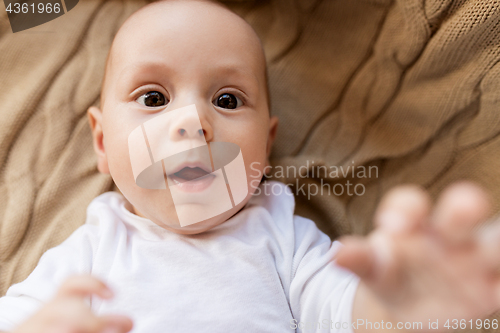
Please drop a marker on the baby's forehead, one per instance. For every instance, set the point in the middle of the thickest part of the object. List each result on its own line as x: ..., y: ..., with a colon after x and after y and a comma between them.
x: 184, y: 34
x: 187, y: 25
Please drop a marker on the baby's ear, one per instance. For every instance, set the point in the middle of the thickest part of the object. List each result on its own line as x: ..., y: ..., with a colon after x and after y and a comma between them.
x: 273, y: 129
x: 94, y: 115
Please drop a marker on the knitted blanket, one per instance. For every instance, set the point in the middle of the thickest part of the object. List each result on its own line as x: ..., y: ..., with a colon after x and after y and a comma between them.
x: 405, y: 90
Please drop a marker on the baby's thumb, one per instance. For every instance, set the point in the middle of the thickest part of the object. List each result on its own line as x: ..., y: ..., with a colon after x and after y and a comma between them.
x: 116, y: 324
x: 83, y: 286
x: 356, y: 255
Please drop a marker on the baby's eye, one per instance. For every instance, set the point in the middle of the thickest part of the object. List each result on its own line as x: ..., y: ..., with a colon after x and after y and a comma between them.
x: 152, y: 99
x: 227, y: 101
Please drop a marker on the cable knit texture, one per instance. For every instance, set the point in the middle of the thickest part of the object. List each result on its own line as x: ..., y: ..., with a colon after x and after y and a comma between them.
x: 408, y: 86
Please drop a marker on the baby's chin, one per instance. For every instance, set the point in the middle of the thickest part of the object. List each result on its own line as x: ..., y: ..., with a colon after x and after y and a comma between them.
x: 170, y: 221
x: 188, y: 217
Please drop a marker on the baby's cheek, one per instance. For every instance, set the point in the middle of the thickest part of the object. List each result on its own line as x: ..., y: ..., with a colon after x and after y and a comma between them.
x: 119, y: 162
x: 255, y: 162
x: 116, y: 146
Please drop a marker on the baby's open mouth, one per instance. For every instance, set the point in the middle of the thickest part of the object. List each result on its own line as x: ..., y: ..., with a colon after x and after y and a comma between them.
x: 192, y: 179
x: 187, y: 174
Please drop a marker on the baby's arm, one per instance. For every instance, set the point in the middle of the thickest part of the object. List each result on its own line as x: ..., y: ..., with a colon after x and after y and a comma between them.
x: 67, y: 312
x: 423, y: 265
x: 52, y: 296
x: 321, y: 293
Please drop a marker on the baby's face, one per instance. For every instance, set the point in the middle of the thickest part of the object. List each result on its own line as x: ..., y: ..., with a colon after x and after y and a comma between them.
x: 174, y: 54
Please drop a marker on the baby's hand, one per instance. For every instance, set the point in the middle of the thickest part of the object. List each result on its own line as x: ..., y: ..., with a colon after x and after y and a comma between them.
x: 68, y: 313
x: 424, y: 263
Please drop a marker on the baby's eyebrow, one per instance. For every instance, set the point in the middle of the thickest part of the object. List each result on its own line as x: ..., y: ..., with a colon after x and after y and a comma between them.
x: 140, y: 68
x: 234, y: 69
x: 239, y: 72
x: 225, y: 69
x: 140, y: 73
x: 146, y: 71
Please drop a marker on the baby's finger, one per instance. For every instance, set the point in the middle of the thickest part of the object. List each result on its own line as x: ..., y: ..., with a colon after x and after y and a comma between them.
x: 70, y: 315
x: 461, y: 208
x: 403, y: 210
x: 74, y: 316
x: 489, y: 245
x: 117, y: 324
x: 356, y: 255
x: 83, y: 286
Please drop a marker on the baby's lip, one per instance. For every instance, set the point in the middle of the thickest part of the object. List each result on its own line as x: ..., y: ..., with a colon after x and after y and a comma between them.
x: 189, y: 170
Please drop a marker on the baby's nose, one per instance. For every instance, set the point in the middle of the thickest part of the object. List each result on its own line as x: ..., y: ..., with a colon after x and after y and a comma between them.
x: 187, y: 127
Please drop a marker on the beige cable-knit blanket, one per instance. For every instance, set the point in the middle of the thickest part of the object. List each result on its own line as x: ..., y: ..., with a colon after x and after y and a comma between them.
x: 410, y: 87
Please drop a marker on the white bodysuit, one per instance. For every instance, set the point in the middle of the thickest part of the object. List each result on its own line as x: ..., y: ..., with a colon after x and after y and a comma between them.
x: 263, y: 270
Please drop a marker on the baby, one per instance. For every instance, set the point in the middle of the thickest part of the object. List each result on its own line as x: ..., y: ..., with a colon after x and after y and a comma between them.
x: 145, y: 261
